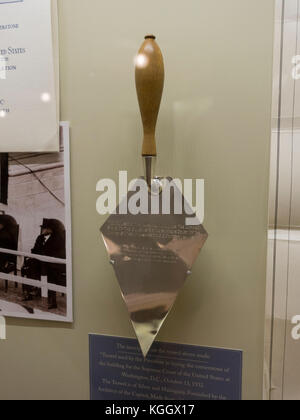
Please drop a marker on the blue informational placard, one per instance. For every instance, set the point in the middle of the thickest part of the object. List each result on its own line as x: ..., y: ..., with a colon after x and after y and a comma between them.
x: 119, y: 372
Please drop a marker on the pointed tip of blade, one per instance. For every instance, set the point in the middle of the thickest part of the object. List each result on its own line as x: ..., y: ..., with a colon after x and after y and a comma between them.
x: 146, y: 348
x: 145, y: 336
x: 146, y: 333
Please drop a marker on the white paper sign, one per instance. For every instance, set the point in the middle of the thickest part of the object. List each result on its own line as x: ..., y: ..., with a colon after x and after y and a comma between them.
x: 28, y: 86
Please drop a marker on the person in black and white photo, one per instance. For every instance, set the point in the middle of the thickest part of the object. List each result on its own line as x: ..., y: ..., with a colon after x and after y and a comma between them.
x: 51, y: 243
x: 8, y: 240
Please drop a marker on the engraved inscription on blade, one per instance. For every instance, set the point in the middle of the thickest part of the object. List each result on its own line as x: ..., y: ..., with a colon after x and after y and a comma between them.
x: 152, y: 256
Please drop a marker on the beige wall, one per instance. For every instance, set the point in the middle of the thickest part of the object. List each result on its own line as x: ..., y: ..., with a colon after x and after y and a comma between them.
x: 215, y: 124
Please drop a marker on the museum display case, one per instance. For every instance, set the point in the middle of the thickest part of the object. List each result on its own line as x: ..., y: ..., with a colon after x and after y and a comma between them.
x: 75, y: 115
x: 282, y: 375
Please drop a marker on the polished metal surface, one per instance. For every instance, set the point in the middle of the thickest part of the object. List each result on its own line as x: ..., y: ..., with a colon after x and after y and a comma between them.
x: 148, y: 169
x: 152, y: 256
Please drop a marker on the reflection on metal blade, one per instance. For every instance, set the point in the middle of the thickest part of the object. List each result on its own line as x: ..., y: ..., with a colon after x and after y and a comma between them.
x: 152, y: 256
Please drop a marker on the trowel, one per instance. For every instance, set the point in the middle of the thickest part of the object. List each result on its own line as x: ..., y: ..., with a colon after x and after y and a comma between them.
x: 152, y: 252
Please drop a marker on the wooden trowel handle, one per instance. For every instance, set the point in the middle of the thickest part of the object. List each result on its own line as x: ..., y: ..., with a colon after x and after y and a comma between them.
x: 149, y: 77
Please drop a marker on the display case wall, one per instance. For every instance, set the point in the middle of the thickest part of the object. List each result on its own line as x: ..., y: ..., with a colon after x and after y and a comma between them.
x: 283, y: 290
x: 215, y: 124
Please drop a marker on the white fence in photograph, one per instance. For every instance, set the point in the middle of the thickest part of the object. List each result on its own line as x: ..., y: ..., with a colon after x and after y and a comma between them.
x: 40, y: 284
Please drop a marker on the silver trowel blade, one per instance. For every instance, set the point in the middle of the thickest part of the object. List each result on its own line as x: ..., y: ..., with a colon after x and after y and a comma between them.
x: 152, y: 256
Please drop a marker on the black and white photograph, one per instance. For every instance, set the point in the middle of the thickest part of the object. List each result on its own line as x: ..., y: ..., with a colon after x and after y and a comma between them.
x: 35, y: 235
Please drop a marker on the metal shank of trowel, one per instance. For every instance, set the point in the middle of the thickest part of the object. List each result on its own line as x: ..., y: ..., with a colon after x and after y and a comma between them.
x: 149, y: 78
